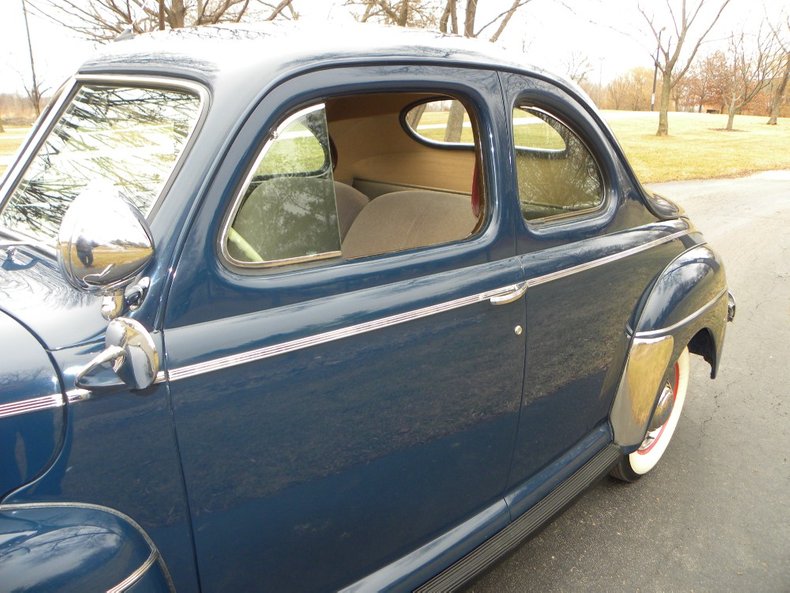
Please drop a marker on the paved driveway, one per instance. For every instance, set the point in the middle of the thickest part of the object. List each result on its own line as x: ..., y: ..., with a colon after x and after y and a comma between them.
x: 715, y: 514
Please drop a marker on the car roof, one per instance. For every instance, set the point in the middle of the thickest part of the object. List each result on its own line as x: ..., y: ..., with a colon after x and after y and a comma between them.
x: 267, y: 51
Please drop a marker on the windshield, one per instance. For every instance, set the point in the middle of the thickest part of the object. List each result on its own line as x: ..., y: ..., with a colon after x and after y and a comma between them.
x: 124, y: 140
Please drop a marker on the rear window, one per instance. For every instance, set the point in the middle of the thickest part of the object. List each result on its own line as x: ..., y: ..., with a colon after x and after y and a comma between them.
x: 444, y: 121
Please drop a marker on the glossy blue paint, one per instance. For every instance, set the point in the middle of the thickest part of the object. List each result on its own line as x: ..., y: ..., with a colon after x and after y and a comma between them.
x: 692, y: 280
x: 396, y: 412
x: 64, y: 547
x: 28, y: 441
x: 120, y: 451
x: 374, y: 461
x: 32, y: 289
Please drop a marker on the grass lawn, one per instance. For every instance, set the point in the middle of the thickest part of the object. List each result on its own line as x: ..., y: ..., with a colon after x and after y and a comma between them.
x: 697, y: 147
x: 9, y: 142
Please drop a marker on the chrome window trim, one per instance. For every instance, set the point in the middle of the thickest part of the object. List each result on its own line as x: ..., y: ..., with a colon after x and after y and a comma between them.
x: 440, y: 144
x: 164, y: 82
x: 239, y: 198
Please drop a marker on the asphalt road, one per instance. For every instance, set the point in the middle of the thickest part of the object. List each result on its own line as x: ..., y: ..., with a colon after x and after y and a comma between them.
x: 715, y: 514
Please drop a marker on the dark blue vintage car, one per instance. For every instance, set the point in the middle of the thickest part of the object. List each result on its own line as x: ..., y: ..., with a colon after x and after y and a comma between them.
x: 290, y: 312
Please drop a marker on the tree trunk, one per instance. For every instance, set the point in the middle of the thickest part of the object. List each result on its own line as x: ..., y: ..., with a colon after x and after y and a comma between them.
x: 779, y: 94
x: 731, y: 109
x: 403, y: 14
x: 469, y: 21
x: 177, y: 14
x: 450, y: 16
x: 663, y: 106
x: 455, y: 123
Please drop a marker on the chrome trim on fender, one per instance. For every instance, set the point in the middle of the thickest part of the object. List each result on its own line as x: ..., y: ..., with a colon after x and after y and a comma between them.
x: 124, y: 517
x: 647, y: 362
x: 338, y: 334
x: 136, y: 575
x: 605, y: 260
x: 503, y: 295
x: 35, y: 404
x: 701, y: 311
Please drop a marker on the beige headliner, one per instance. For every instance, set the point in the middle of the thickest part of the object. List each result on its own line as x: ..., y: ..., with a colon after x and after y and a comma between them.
x: 372, y: 145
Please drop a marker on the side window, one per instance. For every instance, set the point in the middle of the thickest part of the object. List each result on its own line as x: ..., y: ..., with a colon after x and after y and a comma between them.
x: 557, y: 174
x: 287, y: 213
x: 444, y: 121
x: 358, y: 176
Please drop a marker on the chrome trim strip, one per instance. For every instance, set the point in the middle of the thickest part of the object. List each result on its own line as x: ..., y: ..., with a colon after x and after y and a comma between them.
x: 701, y: 311
x: 95, y: 507
x: 136, y: 575
x: 538, y: 280
x: 648, y: 360
x: 494, y: 296
x: 35, y: 404
x: 338, y: 334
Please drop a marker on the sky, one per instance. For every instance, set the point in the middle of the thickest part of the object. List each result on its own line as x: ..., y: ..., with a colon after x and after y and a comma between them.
x: 609, y: 34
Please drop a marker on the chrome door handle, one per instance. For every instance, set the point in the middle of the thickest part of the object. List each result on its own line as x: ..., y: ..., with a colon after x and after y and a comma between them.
x: 508, y: 294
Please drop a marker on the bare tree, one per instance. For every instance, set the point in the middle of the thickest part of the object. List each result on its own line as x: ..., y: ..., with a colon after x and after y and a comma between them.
x: 35, y: 90
x: 672, y: 62
x: 403, y: 13
x: 578, y: 67
x: 750, y: 70
x: 104, y: 20
x: 443, y: 15
x: 631, y: 91
x: 706, y: 82
x: 781, y: 36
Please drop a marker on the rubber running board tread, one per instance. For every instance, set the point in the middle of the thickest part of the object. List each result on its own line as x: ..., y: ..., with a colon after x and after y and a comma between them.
x: 492, y: 549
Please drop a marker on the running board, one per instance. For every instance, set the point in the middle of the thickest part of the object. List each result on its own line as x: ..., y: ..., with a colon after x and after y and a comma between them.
x: 511, y: 536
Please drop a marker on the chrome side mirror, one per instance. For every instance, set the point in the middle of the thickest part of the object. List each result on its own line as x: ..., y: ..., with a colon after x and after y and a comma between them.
x: 131, y: 353
x: 103, y: 242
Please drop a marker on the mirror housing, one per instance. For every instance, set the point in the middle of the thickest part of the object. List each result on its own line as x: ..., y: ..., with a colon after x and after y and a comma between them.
x: 103, y: 242
x: 129, y: 351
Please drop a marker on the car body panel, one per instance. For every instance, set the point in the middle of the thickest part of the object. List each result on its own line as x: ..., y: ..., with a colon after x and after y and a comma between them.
x: 346, y: 350
x: 377, y: 423
x: 74, y: 547
x: 32, y: 417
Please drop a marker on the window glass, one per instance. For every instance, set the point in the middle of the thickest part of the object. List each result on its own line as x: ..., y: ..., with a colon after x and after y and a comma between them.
x: 288, y: 212
x: 557, y: 175
x: 119, y: 139
x: 441, y: 121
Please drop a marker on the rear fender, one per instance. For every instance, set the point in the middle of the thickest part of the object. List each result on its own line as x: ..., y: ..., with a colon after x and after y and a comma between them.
x: 71, y: 547
x: 687, y: 305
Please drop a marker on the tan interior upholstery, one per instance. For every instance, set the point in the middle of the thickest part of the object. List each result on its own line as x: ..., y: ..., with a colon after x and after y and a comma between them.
x: 408, y: 219
x: 350, y: 203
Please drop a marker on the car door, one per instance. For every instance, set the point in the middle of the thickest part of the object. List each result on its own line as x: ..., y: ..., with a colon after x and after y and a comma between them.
x: 333, y: 413
x: 588, y: 247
